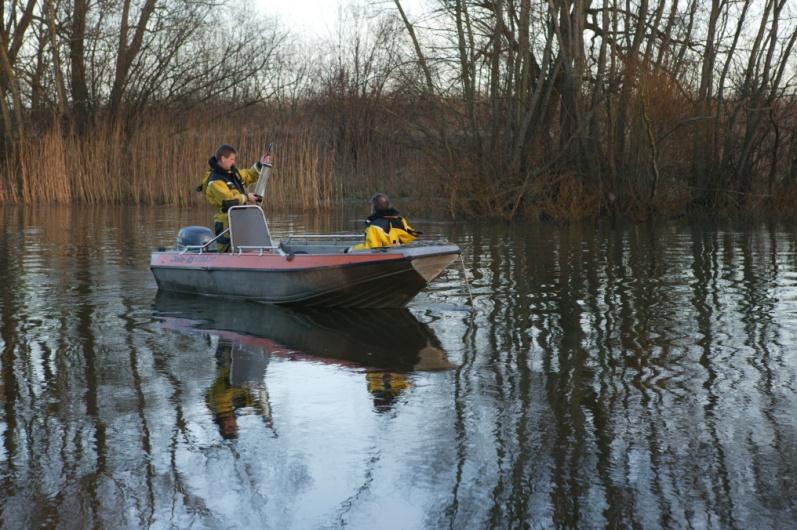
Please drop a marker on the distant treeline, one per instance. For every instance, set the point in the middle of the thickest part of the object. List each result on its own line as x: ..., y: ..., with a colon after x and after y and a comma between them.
x: 554, y: 108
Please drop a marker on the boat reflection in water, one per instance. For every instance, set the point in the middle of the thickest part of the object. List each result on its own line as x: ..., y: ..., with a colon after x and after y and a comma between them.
x: 385, y: 344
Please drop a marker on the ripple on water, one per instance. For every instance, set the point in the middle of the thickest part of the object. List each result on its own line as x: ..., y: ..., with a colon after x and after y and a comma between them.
x: 635, y: 376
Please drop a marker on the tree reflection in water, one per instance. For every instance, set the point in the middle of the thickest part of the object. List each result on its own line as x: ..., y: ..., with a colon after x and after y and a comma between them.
x: 642, y: 376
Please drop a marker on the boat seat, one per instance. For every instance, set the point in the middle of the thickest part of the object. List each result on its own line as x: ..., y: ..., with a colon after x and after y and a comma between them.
x: 248, y: 229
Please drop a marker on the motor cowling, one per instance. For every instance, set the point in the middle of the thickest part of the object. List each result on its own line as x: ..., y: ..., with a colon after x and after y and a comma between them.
x: 193, y: 236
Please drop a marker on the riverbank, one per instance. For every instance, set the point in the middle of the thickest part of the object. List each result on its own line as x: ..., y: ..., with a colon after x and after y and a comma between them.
x: 160, y: 161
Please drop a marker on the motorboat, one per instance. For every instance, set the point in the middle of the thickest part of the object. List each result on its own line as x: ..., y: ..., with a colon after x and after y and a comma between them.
x: 305, y: 270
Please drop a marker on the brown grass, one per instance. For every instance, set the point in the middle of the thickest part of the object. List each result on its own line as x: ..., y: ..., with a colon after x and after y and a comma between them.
x: 321, y: 159
x: 161, y: 162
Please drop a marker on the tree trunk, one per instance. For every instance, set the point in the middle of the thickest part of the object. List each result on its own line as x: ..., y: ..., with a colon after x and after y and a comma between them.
x: 81, y: 111
x: 127, y: 53
x: 629, y: 80
x: 60, y: 86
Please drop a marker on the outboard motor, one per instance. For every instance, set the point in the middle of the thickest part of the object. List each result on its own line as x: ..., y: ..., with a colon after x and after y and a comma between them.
x: 194, y: 236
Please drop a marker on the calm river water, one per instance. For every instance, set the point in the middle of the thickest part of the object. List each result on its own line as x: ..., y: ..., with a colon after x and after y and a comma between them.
x: 642, y: 376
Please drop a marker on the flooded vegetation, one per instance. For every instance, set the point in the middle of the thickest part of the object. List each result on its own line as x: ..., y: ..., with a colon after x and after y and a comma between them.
x: 637, y: 376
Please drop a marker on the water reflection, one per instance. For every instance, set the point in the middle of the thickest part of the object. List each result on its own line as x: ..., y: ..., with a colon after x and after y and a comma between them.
x: 639, y: 377
x: 385, y: 344
x: 386, y: 339
x: 239, y: 385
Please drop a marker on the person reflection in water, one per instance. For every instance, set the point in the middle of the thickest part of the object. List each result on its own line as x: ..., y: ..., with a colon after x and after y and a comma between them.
x: 385, y: 387
x: 238, y: 385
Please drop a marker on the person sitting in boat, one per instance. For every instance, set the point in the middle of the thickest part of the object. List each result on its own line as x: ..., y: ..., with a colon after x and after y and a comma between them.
x: 224, y: 186
x: 385, y: 226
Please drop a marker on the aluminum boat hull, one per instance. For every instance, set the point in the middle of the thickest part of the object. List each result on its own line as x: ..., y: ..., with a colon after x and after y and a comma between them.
x: 388, y: 277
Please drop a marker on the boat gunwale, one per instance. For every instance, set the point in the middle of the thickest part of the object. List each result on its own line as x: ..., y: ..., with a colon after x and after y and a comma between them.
x: 386, y: 257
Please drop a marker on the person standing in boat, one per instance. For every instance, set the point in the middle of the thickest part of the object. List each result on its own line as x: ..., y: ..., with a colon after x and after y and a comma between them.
x: 224, y: 186
x: 385, y: 226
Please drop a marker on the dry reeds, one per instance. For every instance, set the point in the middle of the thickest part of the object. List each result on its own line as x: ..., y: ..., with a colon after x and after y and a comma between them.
x: 161, y: 162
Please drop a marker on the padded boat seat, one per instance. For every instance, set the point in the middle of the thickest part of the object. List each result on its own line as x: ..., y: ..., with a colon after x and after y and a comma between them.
x: 248, y: 229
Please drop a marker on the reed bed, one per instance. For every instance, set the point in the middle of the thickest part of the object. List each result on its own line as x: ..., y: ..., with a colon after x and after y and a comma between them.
x: 161, y: 161
x: 161, y: 158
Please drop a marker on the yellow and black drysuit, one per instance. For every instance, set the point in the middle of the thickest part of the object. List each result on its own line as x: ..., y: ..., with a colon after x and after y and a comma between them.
x: 386, y: 228
x: 223, y: 190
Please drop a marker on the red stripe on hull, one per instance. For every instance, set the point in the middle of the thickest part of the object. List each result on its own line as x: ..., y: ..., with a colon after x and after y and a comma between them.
x: 266, y: 261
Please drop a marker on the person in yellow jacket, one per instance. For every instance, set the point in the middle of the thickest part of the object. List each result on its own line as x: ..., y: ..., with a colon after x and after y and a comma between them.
x: 224, y: 186
x: 385, y: 226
